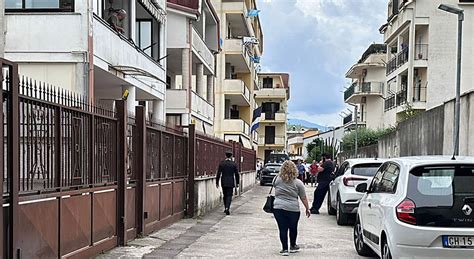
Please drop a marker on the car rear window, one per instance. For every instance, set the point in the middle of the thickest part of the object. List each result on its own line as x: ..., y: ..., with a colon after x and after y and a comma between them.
x: 273, y: 167
x: 366, y: 169
x: 438, y: 185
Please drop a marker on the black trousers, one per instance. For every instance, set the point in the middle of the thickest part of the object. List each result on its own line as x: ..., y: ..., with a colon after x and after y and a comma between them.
x: 228, y: 192
x: 287, y: 220
x: 319, y: 194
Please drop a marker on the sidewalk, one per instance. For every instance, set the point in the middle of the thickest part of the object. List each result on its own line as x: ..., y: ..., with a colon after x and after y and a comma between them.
x: 247, y: 233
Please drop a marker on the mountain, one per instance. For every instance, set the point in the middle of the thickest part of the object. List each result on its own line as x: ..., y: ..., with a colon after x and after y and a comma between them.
x: 305, y: 124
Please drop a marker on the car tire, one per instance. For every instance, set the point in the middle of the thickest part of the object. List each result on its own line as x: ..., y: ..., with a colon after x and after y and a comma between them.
x: 360, y: 246
x: 341, y: 217
x: 331, y: 210
x: 386, y: 253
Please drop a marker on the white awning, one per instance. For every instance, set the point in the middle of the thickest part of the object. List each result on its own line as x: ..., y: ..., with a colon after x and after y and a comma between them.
x: 155, y: 10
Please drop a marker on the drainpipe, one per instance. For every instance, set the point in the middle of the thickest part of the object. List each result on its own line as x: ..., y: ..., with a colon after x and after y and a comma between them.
x: 190, y: 86
x: 2, y: 28
x: 90, y: 46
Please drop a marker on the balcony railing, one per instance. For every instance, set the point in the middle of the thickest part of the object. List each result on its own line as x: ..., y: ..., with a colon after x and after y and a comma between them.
x: 421, y: 52
x: 399, y: 60
x: 347, y: 119
x: 237, y: 86
x: 419, y: 94
x: 271, y: 140
x: 349, y: 92
x: 202, y: 50
x: 389, y: 103
x: 401, y: 97
x: 371, y: 87
x: 237, y: 125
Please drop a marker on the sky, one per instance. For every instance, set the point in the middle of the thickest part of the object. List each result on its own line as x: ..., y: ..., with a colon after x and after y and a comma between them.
x: 317, y: 41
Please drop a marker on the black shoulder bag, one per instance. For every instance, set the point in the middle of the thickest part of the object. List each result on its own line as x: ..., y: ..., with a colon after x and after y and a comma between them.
x: 268, y: 207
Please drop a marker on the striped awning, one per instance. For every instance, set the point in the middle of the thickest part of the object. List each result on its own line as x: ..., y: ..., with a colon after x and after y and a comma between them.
x: 155, y: 10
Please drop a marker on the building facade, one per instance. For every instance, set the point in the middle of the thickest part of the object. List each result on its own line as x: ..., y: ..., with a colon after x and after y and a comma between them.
x: 237, y: 65
x: 366, y: 90
x: 74, y: 46
x: 272, y: 96
x: 333, y: 136
x: 421, y: 55
x: 193, y: 41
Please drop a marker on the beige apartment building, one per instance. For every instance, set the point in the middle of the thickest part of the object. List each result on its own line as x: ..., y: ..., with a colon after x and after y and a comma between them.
x: 366, y: 90
x: 272, y: 96
x: 237, y: 65
x: 421, y: 55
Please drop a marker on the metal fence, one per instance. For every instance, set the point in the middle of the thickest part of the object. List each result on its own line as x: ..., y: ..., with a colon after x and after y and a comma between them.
x: 80, y: 179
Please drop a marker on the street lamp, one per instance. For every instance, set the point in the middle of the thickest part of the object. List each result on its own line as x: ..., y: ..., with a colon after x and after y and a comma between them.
x: 457, y: 107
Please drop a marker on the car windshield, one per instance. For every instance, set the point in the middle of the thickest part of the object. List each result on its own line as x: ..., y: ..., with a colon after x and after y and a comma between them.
x: 438, y: 185
x: 366, y: 169
x: 273, y: 167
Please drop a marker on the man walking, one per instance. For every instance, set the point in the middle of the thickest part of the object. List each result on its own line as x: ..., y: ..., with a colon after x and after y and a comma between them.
x: 230, y: 179
x: 301, y: 170
x: 323, y: 179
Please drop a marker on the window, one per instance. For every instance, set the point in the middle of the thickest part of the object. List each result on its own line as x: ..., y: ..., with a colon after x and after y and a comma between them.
x: 268, y: 82
x: 386, y: 179
x: 365, y: 169
x: 40, y: 5
x: 144, y: 36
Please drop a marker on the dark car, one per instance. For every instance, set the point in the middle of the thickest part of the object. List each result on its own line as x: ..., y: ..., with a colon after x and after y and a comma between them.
x: 269, y: 172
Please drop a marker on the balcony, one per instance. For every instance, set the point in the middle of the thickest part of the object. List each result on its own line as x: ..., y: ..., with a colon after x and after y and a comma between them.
x: 295, y: 141
x: 271, y: 93
x: 236, y: 126
x: 347, y: 119
x: 113, y: 50
x: 421, y: 51
x: 399, y: 60
x: 389, y: 103
x: 203, y: 52
x: 278, y: 117
x: 176, y: 103
x: 355, y: 93
x: 238, y: 55
x: 398, y: 23
x: 277, y: 141
x: 237, y: 92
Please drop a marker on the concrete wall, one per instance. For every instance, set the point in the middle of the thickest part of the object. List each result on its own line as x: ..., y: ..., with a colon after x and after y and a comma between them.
x: 208, y: 197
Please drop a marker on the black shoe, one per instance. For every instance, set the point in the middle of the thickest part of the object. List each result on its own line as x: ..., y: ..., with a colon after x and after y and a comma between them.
x: 314, y: 212
x: 227, y: 212
x: 284, y: 253
x: 294, y: 249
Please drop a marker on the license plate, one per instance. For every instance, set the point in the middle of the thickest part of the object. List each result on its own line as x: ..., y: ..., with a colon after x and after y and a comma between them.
x: 273, y: 174
x: 458, y: 241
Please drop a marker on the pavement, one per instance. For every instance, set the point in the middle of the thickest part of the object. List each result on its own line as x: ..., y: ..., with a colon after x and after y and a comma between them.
x: 248, y: 232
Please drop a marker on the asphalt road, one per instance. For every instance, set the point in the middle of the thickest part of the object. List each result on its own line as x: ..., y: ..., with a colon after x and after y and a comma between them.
x: 248, y: 232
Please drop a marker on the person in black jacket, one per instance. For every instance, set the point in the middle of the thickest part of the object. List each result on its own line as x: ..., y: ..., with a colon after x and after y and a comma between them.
x: 228, y: 175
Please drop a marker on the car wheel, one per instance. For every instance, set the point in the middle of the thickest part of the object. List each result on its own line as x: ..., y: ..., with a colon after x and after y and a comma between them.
x: 331, y: 210
x: 386, y: 254
x: 341, y: 217
x: 360, y: 246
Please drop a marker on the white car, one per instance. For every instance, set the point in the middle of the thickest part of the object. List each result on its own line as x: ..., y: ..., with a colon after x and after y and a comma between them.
x: 343, y: 200
x: 418, y: 207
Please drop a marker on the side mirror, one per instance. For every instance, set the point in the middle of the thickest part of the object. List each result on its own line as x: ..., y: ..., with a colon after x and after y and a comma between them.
x: 362, y: 187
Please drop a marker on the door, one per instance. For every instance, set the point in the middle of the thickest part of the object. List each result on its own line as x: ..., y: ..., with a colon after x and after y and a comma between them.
x: 268, y: 152
x: 270, y: 135
x: 366, y: 210
x: 333, y: 186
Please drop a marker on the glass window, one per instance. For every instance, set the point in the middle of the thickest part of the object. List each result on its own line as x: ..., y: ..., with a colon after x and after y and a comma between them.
x: 366, y: 169
x: 49, y: 5
x: 144, y: 36
x: 389, y: 179
x: 374, y: 187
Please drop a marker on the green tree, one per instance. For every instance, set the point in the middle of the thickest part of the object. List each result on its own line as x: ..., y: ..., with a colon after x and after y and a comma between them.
x: 365, y: 137
x: 317, y: 148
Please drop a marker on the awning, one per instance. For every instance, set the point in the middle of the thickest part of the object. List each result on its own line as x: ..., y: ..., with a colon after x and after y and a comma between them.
x: 154, y: 9
x: 134, y: 71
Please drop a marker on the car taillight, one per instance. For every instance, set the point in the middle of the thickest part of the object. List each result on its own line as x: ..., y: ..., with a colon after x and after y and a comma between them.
x: 406, y: 212
x: 350, y: 181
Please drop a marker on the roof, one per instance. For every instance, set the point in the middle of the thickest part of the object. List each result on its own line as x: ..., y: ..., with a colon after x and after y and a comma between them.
x: 432, y: 160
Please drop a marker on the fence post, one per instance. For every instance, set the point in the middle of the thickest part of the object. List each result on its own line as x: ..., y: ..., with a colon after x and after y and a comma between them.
x: 141, y: 168
x: 14, y: 159
x: 191, y: 169
x: 122, y: 115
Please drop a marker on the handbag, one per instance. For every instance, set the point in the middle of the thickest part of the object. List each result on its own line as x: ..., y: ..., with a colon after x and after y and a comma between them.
x: 268, y: 207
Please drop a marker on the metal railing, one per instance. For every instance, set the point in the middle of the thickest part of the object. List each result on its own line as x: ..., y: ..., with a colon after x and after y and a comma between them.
x: 389, y: 103
x: 399, y: 60
x: 421, y: 51
x: 347, y: 119
x: 401, y: 97
x: 349, y: 91
x: 419, y: 94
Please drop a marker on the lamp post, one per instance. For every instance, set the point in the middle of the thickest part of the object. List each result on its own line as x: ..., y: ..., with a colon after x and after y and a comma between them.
x: 457, y: 107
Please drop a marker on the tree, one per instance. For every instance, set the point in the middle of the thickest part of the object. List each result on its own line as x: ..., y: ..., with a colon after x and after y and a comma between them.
x: 365, y: 137
x: 316, y: 148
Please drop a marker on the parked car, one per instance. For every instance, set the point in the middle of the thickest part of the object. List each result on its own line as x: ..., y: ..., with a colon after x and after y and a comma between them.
x: 269, y: 172
x: 343, y: 200
x: 418, y: 207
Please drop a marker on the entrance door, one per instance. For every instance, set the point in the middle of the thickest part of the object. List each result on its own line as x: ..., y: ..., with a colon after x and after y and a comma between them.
x: 270, y: 135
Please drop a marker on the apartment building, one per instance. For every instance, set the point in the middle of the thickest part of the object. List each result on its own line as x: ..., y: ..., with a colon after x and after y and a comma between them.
x: 332, y: 136
x: 237, y: 64
x: 295, y: 137
x: 366, y: 90
x: 421, y: 55
x: 193, y: 41
x: 272, y: 96
x: 72, y: 45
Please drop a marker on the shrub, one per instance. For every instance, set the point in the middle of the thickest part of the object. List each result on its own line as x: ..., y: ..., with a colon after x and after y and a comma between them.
x: 365, y: 137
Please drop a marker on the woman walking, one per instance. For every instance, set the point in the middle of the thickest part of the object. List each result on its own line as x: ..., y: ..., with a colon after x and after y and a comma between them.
x: 286, y: 207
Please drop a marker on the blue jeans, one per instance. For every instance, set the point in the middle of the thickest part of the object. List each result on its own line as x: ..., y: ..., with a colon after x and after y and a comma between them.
x: 319, y: 194
x: 287, y: 220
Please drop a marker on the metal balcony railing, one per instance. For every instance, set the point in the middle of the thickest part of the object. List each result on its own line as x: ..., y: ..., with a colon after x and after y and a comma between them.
x: 421, y: 51
x: 401, y: 97
x: 347, y: 119
x: 399, y: 60
x: 389, y: 103
x: 349, y: 92
x: 371, y: 87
